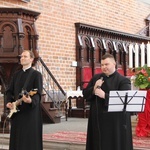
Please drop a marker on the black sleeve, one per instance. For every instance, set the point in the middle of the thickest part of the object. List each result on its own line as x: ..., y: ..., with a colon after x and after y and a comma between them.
x: 38, y: 84
x: 125, y: 84
x: 88, y: 91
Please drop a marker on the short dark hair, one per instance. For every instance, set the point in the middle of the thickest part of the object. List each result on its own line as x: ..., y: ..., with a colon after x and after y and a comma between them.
x: 30, y: 52
x: 107, y: 55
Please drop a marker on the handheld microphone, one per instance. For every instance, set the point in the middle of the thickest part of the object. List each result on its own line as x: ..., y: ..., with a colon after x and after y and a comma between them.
x: 101, y: 78
x: 98, y: 85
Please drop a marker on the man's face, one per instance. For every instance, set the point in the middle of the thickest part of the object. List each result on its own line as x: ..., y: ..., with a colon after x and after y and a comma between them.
x: 108, y: 66
x: 25, y: 59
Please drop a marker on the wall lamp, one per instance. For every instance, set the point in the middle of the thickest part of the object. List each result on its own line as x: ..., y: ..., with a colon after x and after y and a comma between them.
x: 74, y: 64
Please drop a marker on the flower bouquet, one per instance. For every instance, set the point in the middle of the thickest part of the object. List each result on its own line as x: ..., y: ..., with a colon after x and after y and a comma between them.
x: 142, y: 77
x: 142, y: 81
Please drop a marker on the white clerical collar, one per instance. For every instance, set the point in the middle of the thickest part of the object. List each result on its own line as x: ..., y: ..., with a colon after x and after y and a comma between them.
x: 24, y: 69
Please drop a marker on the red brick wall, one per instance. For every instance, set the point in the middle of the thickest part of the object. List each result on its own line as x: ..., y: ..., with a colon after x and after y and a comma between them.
x: 56, y: 27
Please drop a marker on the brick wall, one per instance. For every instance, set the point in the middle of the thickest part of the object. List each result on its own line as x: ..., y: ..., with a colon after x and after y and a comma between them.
x: 56, y: 27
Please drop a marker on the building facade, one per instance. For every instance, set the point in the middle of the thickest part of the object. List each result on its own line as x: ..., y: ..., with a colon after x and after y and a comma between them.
x: 56, y: 27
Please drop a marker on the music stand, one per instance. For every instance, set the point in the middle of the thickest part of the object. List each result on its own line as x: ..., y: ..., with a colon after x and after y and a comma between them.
x: 127, y: 101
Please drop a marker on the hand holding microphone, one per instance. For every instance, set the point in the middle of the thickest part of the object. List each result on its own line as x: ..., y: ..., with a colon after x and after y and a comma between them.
x: 97, y: 88
x: 98, y: 83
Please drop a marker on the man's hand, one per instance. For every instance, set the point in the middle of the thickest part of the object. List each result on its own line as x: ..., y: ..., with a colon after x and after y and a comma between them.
x: 99, y: 92
x: 26, y: 99
x: 9, y: 105
x: 98, y: 84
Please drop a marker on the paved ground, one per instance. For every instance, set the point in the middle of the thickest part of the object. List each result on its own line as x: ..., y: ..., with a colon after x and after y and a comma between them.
x: 72, y: 124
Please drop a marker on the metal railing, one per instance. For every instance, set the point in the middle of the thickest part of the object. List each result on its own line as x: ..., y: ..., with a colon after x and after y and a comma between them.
x: 51, y: 88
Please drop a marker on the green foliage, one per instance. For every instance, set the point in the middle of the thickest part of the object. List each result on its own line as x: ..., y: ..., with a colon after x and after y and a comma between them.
x: 142, y: 77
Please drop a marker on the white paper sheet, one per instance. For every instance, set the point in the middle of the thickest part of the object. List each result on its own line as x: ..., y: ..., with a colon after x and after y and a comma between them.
x: 135, y: 101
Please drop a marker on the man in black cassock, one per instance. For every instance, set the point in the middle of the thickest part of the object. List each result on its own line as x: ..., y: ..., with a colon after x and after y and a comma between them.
x: 107, y: 130
x: 26, y: 124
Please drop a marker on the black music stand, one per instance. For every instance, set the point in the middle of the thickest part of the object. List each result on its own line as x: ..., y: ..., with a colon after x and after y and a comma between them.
x: 127, y: 101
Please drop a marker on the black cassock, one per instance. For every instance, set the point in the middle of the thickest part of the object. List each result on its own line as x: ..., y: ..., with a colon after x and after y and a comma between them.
x: 26, y: 125
x: 106, y: 130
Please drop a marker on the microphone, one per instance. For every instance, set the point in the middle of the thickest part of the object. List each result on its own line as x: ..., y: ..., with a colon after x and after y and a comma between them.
x: 99, y: 85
